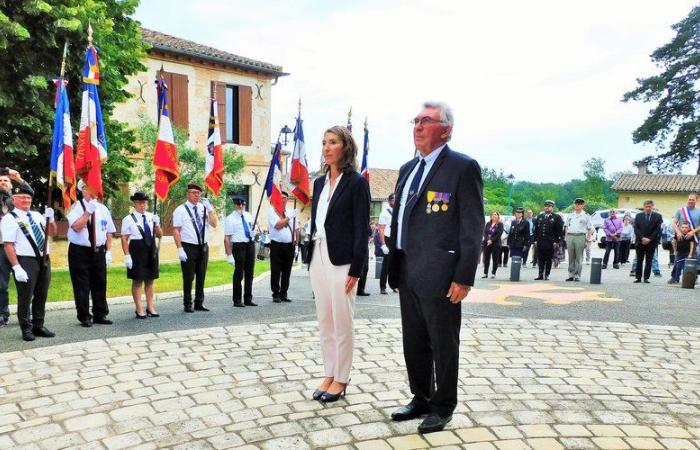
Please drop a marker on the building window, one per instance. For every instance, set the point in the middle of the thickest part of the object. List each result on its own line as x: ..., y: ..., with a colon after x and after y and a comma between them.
x: 232, y: 128
x: 178, y: 99
x: 235, y: 106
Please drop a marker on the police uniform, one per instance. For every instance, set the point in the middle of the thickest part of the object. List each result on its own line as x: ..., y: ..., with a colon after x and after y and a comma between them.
x: 87, y: 263
x: 548, y: 231
x: 140, y: 230
x: 238, y: 226
x: 519, y: 236
x: 26, y: 231
x: 281, y: 253
x: 195, y: 230
x: 577, y: 228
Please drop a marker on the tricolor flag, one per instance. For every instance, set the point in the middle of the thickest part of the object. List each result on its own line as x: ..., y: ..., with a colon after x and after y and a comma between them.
x: 62, y: 164
x: 165, y: 154
x: 364, y: 170
x: 272, y: 184
x: 299, y: 176
x: 92, y: 143
x: 214, y: 170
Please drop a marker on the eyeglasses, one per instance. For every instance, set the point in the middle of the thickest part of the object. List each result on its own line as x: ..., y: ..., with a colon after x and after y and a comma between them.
x: 194, y: 191
x: 424, y: 121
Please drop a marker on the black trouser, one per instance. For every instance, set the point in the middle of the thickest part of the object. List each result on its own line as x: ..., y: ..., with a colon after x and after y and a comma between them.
x: 362, y: 281
x: 615, y: 246
x: 88, y: 273
x: 503, y: 256
x: 244, y: 257
x: 544, y: 260
x: 195, y: 266
x: 491, y: 252
x: 431, y: 345
x: 645, y: 253
x: 281, y: 261
x: 625, y: 251
x: 33, y: 293
x: 526, y: 254
x: 384, y: 275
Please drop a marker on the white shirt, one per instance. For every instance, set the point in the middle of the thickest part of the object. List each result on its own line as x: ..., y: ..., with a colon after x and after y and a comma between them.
x: 429, y: 161
x: 322, y: 206
x: 11, y: 231
x: 578, y: 222
x: 105, y: 225
x: 284, y: 234
x: 130, y: 229
x: 233, y: 226
x: 385, y: 219
x: 182, y: 220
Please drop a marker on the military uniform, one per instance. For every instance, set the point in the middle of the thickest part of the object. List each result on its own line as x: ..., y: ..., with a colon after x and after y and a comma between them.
x: 578, y: 226
x: 519, y: 236
x: 549, y: 229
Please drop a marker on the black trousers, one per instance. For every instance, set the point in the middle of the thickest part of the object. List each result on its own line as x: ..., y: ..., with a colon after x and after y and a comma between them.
x: 526, y: 254
x: 615, y: 247
x: 362, y: 281
x: 645, y: 253
x: 194, y: 267
x: 491, y: 253
x: 32, y: 294
x: 503, y: 257
x: 244, y: 257
x: 544, y: 260
x: 430, y: 345
x: 88, y: 273
x: 384, y: 275
x: 281, y: 261
x: 625, y: 251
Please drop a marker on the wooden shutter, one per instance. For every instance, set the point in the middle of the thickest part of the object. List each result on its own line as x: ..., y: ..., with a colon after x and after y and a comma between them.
x: 218, y: 90
x: 245, y: 115
x: 180, y: 104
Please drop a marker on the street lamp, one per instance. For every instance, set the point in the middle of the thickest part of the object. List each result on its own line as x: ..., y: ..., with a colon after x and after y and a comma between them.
x: 510, y: 179
x: 285, y: 131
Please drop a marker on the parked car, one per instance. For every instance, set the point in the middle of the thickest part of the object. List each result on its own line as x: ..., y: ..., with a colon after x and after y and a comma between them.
x: 598, y: 217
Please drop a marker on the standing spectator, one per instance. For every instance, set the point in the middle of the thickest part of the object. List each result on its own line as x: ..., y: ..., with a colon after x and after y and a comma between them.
x: 526, y: 253
x: 578, y: 226
x: 492, y: 244
x: 691, y: 215
x: 281, y: 249
x: 612, y: 226
x: 684, y: 248
x: 503, y: 257
x: 383, y: 237
x: 647, y: 229
x: 667, y: 235
x: 519, y: 234
x: 626, y: 236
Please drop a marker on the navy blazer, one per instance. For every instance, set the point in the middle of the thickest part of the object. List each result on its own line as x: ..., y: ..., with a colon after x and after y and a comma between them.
x: 347, y: 222
x: 443, y: 245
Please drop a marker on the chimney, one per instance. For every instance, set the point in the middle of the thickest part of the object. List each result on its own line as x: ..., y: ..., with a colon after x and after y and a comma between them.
x: 641, y: 167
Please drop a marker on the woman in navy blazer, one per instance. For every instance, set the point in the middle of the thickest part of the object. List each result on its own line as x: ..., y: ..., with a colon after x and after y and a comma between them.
x: 337, y: 254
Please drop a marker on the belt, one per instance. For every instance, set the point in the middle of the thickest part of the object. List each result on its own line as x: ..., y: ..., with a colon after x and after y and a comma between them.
x: 576, y: 234
x: 98, y: 247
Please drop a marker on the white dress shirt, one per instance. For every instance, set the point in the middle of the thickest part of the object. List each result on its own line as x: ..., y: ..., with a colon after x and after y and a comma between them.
x: 182, y: 220
x: 429, y: 161
x: 385, y: 219
x: 12, y: 233
x: 284, y: 234
x: 105, y: 225
x: 130, y: 228
x: 322, y: 206
x: 233, y: 226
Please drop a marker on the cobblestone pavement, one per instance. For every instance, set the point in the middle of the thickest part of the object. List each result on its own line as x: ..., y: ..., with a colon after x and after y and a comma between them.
x: 523, y: 384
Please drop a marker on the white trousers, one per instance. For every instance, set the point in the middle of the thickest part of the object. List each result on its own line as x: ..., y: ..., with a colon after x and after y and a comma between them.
x: 335, y: 310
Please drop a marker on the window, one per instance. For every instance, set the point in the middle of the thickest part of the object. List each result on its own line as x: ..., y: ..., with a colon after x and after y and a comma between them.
x: 235, y: 106
x: 178, y: 99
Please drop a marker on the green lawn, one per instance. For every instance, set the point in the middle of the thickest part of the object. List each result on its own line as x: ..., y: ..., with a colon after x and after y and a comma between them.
x: 218, y: 273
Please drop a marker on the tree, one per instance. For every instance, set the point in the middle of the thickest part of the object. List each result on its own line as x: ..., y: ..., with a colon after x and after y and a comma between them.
x: 674, y: 124
x: 32, y: 34
x: 595, y: 181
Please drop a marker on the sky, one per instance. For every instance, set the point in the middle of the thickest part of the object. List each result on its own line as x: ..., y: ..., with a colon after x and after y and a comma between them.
x: 535, y: 86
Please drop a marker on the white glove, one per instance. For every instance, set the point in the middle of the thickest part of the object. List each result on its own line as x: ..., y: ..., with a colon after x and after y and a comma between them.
x: 20, y: 275
x: 182, y: 254
x: 128, y: 262
x: 108, y: 257
x: 207, y: 205
x: 156, y: 220
x: 90, y: 207
x: 385, y: 249
x: 230, y: 260
x: 48, y: 214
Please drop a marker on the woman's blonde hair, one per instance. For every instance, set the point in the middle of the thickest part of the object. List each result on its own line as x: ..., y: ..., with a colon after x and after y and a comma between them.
x: 348, y: 158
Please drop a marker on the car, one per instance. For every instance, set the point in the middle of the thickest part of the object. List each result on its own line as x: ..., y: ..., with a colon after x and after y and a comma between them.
x: 598, y: 217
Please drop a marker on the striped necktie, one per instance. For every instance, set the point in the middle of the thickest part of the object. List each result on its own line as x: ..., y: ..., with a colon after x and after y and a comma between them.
x: 36, y: 231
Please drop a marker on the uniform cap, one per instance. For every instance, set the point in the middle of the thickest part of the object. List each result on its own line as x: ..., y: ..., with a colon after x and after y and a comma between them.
x: 194, y: 186
x: 579, y: 200
x: 24, y: 189
x: 549, y: 203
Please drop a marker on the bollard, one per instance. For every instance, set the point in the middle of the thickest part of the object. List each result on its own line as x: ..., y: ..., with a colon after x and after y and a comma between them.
x: 596, y: 270
x: 690, y: 272
x: 515, y: 263
x: 379, y: 260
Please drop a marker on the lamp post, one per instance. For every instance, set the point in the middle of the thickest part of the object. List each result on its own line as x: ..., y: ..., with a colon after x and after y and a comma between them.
x: 510, y: 179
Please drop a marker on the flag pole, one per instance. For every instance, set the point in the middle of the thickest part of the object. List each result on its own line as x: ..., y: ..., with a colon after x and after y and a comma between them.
x: 262, y: 195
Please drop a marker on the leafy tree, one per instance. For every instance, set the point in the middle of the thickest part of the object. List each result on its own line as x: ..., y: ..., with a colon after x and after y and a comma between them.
x: 674, y: 124
x: 32, y: 34
x: 594, y: 182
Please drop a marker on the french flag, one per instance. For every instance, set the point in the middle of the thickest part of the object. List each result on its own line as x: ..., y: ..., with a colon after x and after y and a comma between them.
x: 299, y: 176
x: 62, y: 164
x: 165, y: 161
x: 214, y: 169
x: 272, y: 184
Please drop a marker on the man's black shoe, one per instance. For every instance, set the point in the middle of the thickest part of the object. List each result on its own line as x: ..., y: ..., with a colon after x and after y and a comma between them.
x: 616, y: 266
x: 433, y: 423
x: 539, y: 278
x: 276, y: 299
x: 546, y: 278
x: 250, y: 303
x: 657, y: 273
x: 189, y: 309
x: 27, y: 335
x: 363, y: 294
x: 43, y: 332
x: 383, y: 292
x: 637, y: 280
x: 604, y: 266
x: 570, y: 279
x: 87, y: 323
x: 646, y: 280
x: 409, y: 412
x: 286, y: 299
x: 200, y: 308
x: 102, y: 321
x: 238, y: 304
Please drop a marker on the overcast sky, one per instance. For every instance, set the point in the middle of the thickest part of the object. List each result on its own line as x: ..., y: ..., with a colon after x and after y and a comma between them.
x: 535, y: 86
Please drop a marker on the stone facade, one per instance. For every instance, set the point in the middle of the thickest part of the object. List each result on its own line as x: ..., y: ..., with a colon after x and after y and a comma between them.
x: 667, y: 203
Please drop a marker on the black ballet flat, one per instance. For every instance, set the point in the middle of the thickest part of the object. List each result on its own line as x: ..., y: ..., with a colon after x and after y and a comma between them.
x: 318, y: 394
x: 140, y: 317
x: 150, y: 314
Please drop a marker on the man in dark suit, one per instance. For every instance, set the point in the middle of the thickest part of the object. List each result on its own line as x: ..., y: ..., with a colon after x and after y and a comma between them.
x: 437, y: 223
x: 647, y: 231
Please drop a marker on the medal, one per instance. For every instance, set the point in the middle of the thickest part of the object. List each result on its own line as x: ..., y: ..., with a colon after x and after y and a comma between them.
x: 436, y: 208
x: 444, y: 207
x: 430, y: 196
x: 427, y: 210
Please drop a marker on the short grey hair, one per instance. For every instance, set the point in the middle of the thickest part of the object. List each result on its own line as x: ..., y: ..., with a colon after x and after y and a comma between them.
x: 446, y: 115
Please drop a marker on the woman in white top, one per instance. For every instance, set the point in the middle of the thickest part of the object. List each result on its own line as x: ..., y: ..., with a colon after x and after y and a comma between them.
x: 139, y: 231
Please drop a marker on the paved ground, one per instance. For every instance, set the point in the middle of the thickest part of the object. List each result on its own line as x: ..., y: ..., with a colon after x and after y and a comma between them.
x: 619, y: 369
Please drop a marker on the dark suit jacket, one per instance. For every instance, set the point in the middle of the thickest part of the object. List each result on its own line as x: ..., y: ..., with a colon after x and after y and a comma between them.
x: 443, y: 246
x: 519, y: 234
x: 496, y: 239
x: 347, y: 221
x: 650, y: 229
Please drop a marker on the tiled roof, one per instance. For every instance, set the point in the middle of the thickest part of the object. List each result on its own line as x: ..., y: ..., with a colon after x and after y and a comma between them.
x: 381, y: 182
x: 170, y: 44
x: 657, y: 183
